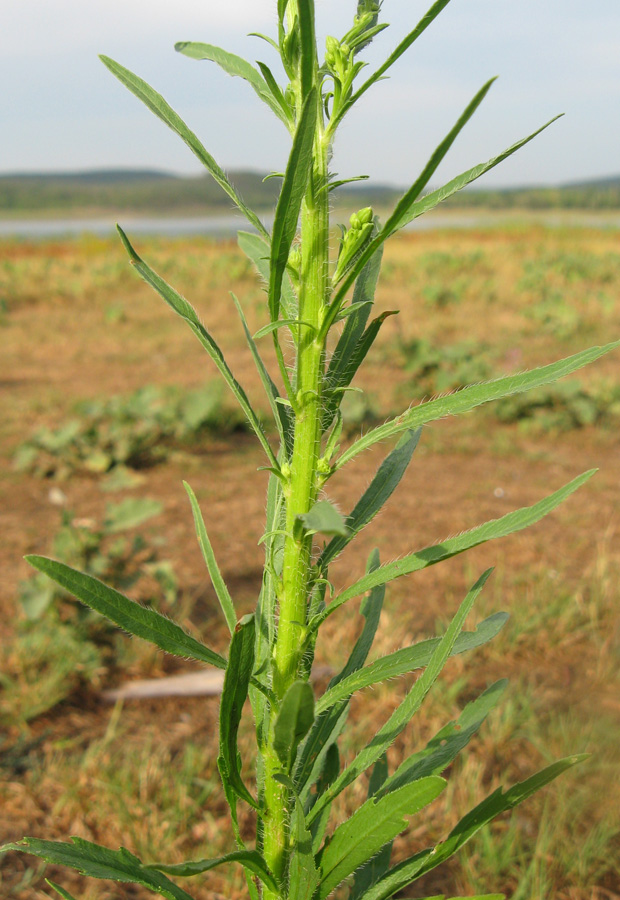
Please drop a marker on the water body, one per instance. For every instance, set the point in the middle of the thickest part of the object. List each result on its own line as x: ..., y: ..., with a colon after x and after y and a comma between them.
x: 227, y: 226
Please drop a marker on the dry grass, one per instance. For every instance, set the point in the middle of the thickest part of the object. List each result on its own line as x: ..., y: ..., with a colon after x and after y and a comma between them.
x: 77, y: 323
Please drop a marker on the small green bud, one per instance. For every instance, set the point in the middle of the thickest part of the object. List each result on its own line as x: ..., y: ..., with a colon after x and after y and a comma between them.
x: 366, y: 215
x: 355, y: 222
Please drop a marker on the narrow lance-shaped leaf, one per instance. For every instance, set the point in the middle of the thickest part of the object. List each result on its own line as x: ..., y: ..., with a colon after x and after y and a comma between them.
x: 442, y: 749
x: 209, y: 557
x: 404, y: 45
x: 308, y: 44
x: 381, y: 488
x: 277, y: 96
x: 294, y: 720
x: 233, y: 65
x: 156, y: 103
x: 100, y: 862
x: 498, y: 802
x: 234, y: 695
x: 187, y: 312
x: 328, y: 774
x: 249, y: 859
x: 327, y: 727
x: 294, y: 185
x: 475, y: 395
x: 374, y: 824
x: 406, y: 212
x: 258, y: 252
x: 357, y: 357
x: 401, y: 213
x: 361, y: 304
x: 496, y: 528
x: 128, y: 615
x: 303, y: 876
x: 64, y: 893
x: 408, y: 659
x: 409, y: 706
x: 372, y: 870
x: 280, y: 412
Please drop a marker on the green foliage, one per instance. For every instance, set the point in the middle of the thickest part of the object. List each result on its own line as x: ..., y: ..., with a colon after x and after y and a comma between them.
x: 136, y: 431
x: 61, y: 643
x: 299, y: 851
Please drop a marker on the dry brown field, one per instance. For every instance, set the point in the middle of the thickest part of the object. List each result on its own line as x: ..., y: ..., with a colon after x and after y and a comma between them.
x: 77, y: 324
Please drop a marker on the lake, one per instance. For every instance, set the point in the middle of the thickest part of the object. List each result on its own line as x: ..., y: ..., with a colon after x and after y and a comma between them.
x: 226, y: 226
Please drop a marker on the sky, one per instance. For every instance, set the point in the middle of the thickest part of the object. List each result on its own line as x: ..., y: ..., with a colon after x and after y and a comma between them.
x: 61, y: 110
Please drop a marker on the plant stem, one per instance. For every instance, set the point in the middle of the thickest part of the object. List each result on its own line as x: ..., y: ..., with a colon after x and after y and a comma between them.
x: 301, y: 491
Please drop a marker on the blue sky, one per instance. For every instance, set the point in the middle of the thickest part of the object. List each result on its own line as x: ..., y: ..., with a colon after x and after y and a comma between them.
x: 60, y: 109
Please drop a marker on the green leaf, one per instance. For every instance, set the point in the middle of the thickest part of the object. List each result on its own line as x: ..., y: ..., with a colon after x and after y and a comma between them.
x: 281, y: 323
x: 381, y: 488
x: 277, y: 96
x: 376, y: 867
x: 128, y: 615
x: 355, y: 360
x: 156, y: 103
x: 448, y: 742
x: 404, y: 45
x: 249, y: 859
x: 281, y: 414
x: 130, y: 513
x: 209, y: 557
x: 373, y: 825
x: 402, y: 213
x: 434, y: 198
x: 475, y: 395
x: 258, y: 252
x: 408, y: 659
x: 308, y: 45
x: 294, y: 721
x: 100, y: 862
x: 342, y: 366
x: 497, y: 802
x: 329, y: 772
x: 187, y: 312
x: 294, y: 186
x: 312, y: 758
x: 496, y: 528
x: 409, y: 706
x: 235, y: 66
x: 234, y: 695
x: 323, y: 517
x: 60, y: 890
x: 303, y: 876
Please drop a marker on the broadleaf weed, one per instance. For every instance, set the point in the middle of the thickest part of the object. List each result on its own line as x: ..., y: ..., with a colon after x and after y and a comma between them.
x: 297, y: 853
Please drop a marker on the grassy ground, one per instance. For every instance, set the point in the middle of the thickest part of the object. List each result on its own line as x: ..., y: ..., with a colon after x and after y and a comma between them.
x: 76, y: 325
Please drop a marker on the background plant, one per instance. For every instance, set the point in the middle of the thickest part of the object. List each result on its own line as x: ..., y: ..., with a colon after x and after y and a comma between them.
x: 270, y: 653
x: 136, y: 431
x: 62, y: 644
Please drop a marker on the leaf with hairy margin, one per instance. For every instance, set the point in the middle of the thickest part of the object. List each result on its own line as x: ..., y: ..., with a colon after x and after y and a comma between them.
x: 234, y: 695
x: 100, y: 862
x: 408, y: 659
x: 251, y: 860
x: 495, y: 528
x: 381, y: 488
x: 374, y: 824
x: 498, y: 802
x: 156, y: 103
x: 235, y: 66
x: 187, y: 312
x: 127, y: 614
x: 403, y: 713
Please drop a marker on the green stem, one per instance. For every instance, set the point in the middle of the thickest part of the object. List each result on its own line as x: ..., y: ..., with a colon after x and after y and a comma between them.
x: 302, y: 488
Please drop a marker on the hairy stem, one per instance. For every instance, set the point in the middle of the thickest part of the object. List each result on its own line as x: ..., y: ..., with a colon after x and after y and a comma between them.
x: 302, y: 487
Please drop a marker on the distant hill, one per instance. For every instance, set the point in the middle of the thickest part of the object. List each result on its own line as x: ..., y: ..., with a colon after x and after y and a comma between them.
x: 156, y: 192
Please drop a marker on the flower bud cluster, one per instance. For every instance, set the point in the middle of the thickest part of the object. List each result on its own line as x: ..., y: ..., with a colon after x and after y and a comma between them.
x: 353, y: 240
